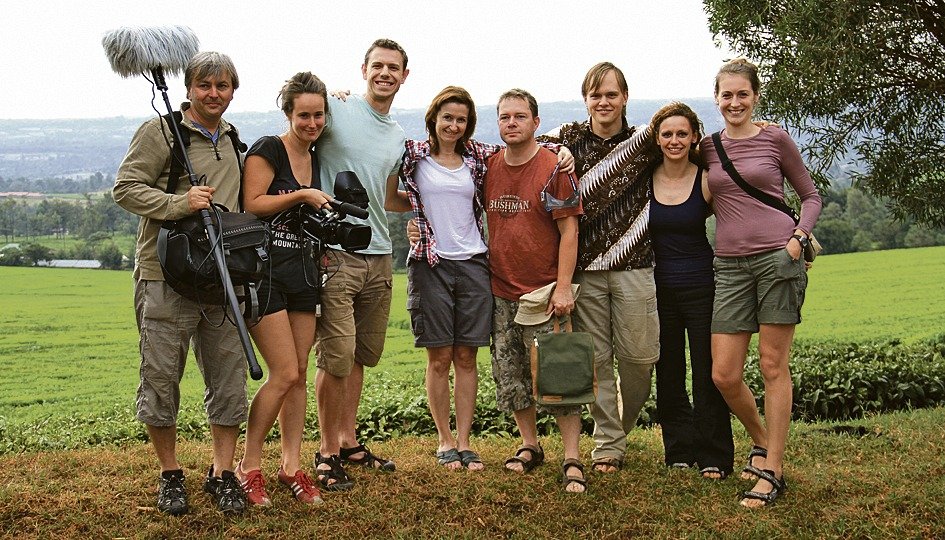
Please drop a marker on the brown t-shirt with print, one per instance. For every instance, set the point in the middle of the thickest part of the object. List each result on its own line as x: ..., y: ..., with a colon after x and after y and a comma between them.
x: 523, y: 236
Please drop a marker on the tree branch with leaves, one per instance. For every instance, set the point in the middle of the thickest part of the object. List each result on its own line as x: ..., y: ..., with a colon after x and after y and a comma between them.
x: 854, y: 80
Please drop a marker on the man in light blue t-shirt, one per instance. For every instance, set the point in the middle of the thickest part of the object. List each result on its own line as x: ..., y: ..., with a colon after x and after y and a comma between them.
x: 359, y: 136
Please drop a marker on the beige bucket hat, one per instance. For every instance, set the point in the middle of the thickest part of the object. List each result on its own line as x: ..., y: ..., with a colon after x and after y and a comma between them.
x: 532, y: 305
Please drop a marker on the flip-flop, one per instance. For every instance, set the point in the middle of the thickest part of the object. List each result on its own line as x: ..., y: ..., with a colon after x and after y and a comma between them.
x: 445, y: 457
x: 468, y: 457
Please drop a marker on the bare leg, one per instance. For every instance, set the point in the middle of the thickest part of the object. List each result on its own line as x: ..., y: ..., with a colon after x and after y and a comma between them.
x: 439, y: 360
x: 774, y: 348
x: 224, y: 447
x: 349, y: 408
x: 329, y: 392
x: 526, y: 420
x: 570, y: 427
x: 728, y: 367
x: 164, y: 441
x: 464, y: 394
x: 292, y: 414
x: 273, y: 336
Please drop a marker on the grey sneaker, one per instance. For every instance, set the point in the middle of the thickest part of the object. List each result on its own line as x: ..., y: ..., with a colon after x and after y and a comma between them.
x: 172, y: 495
x: 226, y: 492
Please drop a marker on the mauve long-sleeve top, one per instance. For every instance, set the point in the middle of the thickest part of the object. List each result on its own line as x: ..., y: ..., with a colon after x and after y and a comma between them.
x: 745, y: 225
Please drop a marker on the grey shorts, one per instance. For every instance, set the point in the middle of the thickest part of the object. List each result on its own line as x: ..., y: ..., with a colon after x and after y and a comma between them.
x: 450, y: 303
x: 511, y: 361
x: 167, y: 323
x: 355, y: 309
x: 767, y: 288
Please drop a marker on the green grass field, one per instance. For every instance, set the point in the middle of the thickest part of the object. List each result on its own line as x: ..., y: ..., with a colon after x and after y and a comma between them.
x: 68, y: 343
x: 68, y: 350
x: 66, y: 244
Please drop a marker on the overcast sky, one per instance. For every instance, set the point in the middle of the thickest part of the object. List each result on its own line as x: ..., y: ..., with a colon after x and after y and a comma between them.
x: 54, y: 65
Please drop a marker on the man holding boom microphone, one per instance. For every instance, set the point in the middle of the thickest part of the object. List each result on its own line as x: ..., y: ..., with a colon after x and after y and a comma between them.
x: 359, y: 136
x: 168, y: 322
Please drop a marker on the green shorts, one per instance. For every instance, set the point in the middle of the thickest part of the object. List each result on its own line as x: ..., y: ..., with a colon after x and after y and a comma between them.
x: 355, y: 308
x: 767, y: 288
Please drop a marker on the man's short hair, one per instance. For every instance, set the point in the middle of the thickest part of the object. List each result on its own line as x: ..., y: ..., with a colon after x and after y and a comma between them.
x: 206, y: 64
x: 596, y: 75
x: 518, y: 93
x: 385, y: 43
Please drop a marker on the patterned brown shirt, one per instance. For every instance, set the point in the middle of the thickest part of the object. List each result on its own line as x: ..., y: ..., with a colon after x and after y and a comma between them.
x: 614, y: 232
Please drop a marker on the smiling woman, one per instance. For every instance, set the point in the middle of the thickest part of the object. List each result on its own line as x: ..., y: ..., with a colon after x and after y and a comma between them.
x: 447, y: 271
x: 759, y: 275
x: 281, y: 175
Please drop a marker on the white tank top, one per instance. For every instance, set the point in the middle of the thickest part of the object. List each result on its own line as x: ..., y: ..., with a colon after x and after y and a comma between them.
x: 447, y: 196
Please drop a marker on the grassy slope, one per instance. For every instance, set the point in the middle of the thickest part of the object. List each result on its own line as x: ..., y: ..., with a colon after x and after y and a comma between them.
x: 885, y: 482
x: 878, y: 295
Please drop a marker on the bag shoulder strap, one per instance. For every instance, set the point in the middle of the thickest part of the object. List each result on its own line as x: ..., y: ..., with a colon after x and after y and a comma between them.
x: 729, y: 167
x: 177, y: 152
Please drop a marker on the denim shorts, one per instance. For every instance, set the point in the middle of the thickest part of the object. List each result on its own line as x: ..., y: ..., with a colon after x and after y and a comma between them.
x: 767, y: 288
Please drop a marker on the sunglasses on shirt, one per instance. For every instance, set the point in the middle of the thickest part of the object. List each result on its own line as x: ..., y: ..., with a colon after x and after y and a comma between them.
x: 551, y: 202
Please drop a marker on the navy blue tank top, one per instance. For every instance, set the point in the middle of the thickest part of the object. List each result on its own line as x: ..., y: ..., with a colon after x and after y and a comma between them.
x: 683, y: 254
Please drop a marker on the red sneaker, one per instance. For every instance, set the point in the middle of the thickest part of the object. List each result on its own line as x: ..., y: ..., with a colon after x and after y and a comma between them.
x: 254, y: 485
x: 302, y: 487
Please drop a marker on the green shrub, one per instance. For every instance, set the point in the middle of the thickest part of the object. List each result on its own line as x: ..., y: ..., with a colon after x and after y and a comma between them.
x: 849, y: 380
x: 833, y: 381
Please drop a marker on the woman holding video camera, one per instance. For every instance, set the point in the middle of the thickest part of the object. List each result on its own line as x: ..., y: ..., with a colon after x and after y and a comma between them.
x: 281, y: 174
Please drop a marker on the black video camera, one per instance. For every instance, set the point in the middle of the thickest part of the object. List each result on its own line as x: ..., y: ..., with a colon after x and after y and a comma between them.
x: 327, y: 227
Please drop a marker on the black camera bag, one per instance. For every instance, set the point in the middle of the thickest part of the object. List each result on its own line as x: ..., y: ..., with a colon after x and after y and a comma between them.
x: 184, y: 251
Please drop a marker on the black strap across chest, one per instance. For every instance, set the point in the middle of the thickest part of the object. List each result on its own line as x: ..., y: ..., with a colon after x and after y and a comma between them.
x: 729, y: 167
x: 177, y: 153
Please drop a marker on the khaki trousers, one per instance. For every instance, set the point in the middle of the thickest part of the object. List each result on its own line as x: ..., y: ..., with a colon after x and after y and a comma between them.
x: 619, y: 309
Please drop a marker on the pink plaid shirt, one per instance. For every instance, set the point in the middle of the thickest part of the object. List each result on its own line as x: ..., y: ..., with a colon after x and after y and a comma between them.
x: 475, y: 156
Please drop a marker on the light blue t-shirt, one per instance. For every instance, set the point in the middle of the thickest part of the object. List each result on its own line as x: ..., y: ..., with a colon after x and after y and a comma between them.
x: 357, y: 138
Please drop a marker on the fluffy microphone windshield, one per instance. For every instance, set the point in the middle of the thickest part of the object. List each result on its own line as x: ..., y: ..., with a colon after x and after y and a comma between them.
x: 136, y: 50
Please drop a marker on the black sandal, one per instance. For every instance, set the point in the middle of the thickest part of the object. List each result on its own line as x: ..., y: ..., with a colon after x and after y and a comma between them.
x: 335, y: 478
x: 567, y: 479
x: 468, y: 457
x: 536, y: 456
x: 778, y: 486
x: 368, y: 460
x: 750, y: 472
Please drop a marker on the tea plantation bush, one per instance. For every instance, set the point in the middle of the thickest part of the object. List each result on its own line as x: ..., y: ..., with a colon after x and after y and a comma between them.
x: 849, y: 380
x: 832, y: 381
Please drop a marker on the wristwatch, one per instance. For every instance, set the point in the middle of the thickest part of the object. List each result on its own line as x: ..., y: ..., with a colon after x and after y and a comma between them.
x: 802, y: 240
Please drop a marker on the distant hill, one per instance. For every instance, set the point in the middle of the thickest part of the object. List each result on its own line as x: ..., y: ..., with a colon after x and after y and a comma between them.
x: 77, y: 148
x: 82, y: 147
